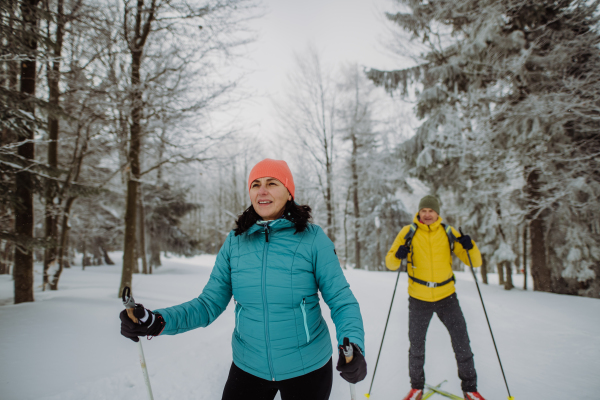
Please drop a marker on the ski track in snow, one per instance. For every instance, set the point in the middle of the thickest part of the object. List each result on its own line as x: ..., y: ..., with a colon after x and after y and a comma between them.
x: 66, y: 345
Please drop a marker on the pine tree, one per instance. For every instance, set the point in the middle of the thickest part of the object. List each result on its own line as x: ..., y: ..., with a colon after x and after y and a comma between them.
x: 507, y: 99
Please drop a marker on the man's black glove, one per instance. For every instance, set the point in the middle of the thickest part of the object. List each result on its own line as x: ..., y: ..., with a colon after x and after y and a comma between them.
x: 465, y: 241
x: 356, y: 370
x: 149, y: 323
x: 402, y: 252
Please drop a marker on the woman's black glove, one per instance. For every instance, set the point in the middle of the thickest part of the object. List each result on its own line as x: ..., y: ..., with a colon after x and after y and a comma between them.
x: 149, y: 323
x: 356, y: 370
x: 465, y: 241
x: 402, y: 252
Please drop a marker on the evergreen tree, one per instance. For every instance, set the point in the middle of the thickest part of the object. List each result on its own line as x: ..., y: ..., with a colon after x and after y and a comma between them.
x: 509, y: 101
x: 164, y: 208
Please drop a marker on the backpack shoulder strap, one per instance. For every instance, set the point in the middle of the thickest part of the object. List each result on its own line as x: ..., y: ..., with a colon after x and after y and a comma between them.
x: 411, y: 232
x: 450, y: 234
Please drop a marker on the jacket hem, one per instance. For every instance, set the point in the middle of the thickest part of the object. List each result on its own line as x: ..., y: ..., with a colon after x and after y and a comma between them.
x: 280, y: 376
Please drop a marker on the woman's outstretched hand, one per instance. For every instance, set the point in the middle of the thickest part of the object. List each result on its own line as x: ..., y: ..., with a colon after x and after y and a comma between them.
x: 148, y: 324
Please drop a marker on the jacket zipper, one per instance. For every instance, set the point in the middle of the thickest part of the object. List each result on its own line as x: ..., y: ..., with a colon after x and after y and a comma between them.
x: 303, y: 307
x: 237, y: 318
x: 431, y: 258
x: 264, y: 295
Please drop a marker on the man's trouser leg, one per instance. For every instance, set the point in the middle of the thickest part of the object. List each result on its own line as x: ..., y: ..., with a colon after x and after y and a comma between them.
x: 419, y: 316
x: 449, y: 312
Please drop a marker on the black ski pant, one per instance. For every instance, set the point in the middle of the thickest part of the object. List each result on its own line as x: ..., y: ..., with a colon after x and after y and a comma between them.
x: 315, y: 385
x: 449, y: 312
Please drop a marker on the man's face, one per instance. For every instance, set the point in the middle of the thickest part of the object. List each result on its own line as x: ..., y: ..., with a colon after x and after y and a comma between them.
x: 428, y: 216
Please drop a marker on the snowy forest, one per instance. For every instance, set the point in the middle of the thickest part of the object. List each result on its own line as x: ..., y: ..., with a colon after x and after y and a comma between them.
x: 113, y: 135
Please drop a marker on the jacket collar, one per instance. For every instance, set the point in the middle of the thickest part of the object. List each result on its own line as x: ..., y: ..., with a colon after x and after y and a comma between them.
x: 275, y: 225
x: 432, y: 227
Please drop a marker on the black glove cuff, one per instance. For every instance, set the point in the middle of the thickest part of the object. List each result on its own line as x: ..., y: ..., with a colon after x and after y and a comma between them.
x: 157, y: 327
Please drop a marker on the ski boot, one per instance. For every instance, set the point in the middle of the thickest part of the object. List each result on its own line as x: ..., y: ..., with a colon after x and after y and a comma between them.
x: 414, y: 394
x: 473, y: 396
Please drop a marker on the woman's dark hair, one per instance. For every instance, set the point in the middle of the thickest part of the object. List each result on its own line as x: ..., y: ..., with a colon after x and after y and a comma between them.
x: 295, y: 213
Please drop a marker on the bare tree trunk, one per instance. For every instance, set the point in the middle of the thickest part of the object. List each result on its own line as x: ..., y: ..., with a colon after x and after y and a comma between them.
x: 23, y: 272
x: 508, y: 284
x: 63, y: 243
x: 542, y: 278
x: 84, y: 255
x: 346, y: 227
x: 142, y: 244
x: 6, y: 257
x: 140, y: 34
x: 3, y: 263
x: 53, y: 76
x: 354, y: 166
x: 517, y: 242
x: 329, y: 203
x: 155, y: 256
x: 500, y: 269
x: 136, y: 261
x: 10, y: 81
x: 484, y: 271
x: 525, y: 229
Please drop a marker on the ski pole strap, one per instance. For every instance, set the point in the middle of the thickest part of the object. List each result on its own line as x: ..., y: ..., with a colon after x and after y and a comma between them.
x: 432, y: 284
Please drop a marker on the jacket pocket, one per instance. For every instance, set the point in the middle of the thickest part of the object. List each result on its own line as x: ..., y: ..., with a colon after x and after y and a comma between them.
x: 305, y: 309
x: 238, y: 311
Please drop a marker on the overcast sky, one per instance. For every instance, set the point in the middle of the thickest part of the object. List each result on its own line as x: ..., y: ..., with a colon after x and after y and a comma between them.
x: 343, y: 31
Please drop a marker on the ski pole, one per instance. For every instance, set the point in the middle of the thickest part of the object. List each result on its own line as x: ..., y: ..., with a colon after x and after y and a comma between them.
x: 367, y: 395
x: 349, y: 355
x: 487, y: 319
x: 129, y: 304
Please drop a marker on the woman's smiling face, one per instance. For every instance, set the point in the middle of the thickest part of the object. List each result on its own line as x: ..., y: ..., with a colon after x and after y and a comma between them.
x: 269, y: 196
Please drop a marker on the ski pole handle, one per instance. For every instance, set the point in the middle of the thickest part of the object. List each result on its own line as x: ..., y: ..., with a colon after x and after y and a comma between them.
x: 348, y: 351
x: 129, y: 303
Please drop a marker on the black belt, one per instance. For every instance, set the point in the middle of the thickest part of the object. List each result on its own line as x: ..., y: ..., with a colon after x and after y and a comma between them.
x: 433, y: 284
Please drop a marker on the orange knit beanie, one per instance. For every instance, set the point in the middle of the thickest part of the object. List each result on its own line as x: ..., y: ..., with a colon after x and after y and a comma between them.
x: 277, y: 169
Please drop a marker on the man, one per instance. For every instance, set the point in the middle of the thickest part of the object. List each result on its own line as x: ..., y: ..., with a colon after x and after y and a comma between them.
x: 427, y: 245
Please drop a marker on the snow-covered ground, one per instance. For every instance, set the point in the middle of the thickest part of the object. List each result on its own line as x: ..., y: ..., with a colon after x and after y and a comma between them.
x: 66, y: 345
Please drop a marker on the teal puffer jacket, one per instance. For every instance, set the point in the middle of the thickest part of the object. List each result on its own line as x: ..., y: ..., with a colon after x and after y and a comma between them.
x: 275, y: 277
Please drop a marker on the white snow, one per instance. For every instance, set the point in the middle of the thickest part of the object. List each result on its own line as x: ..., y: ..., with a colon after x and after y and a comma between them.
x: 66, y: 345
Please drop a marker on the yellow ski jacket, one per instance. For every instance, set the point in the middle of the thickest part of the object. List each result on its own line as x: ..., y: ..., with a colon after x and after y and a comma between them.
x: 430, y: 259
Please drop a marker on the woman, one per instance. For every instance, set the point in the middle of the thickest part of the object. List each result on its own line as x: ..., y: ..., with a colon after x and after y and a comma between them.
x: 274, y: 264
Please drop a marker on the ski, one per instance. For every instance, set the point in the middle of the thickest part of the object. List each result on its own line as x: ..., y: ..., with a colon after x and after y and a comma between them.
x: 431, y: 392
x: 446, y: 394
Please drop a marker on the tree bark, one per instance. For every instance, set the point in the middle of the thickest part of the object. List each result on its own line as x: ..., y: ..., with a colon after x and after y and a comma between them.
x: 62, y: 248
x: 11, y: 78
x: 484, y: 271
x: 23, y: 272
x: 346, y: 227
x: 542, y: 277
x: 53, y: 76
x: 142, y: 246
x: 329, y: 202
x: 500, y: 269
x: 508, y: 284
x: 525, y: 229
x: 84, y: 255
x: 140, y: 34
x: 354, y: 166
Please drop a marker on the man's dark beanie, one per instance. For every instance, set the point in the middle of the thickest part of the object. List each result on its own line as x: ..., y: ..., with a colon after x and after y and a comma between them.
x: 430, y: 201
